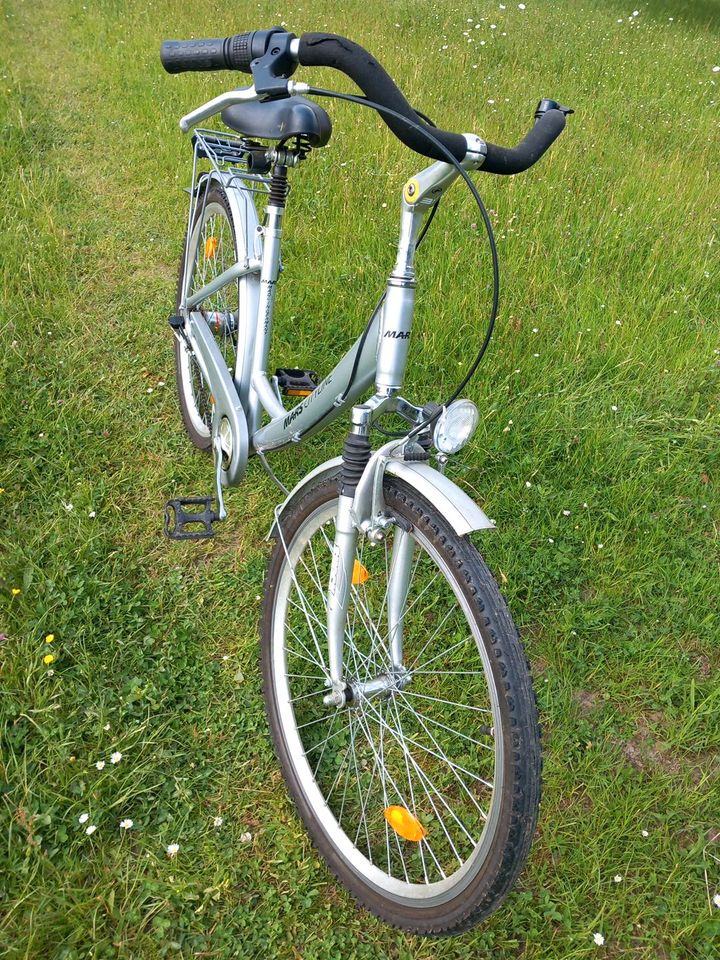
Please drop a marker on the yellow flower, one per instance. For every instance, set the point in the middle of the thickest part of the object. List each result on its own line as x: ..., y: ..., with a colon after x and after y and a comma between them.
x: 15, y: 591
x: 49, y: 638
x: 48, y: 658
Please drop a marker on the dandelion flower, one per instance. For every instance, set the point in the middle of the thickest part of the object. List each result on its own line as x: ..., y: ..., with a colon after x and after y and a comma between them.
x: 617, y: 878
x: 218, y: 822
x: 49, y: 638
x: 172, y: 849
x: 599, y: 939
x: 91, y: 829
x: 115, y: 757
x: 48, y: 658
x: 16, y: 591
x: 126, y: 824
x: 100, y: 764
x: 83, y: 818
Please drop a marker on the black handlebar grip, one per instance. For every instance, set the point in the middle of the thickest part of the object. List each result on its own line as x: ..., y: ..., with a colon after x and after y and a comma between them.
x: 229, y: 53
x: 329, y: 50
x: 509, y: 160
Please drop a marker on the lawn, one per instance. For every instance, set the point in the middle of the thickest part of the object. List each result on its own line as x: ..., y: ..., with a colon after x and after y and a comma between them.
x: 597, y: 455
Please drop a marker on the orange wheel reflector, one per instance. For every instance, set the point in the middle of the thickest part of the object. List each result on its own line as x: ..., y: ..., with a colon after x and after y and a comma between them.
x: 211, y: 245
x: 361, y: 575
x: 404, y: 823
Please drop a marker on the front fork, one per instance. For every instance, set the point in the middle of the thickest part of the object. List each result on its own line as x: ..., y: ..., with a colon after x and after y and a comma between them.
x: 348, y: 527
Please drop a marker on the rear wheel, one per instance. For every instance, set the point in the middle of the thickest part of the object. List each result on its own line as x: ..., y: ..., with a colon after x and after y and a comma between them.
x: 454, y: 747
x: 212, y: 249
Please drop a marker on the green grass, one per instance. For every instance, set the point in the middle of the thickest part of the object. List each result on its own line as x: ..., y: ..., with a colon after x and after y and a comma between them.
x: 610, y: 299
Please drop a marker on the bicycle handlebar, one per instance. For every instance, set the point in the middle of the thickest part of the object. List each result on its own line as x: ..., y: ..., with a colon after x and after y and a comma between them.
x: 229, y: 53
x: 244, y: 50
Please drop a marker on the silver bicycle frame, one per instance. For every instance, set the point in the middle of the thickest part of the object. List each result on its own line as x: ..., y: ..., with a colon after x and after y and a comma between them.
x: 379, y: 354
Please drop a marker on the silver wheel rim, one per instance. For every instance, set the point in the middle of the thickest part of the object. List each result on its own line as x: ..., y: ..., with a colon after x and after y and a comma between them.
x: 425, y: 882
x: 213, y: 223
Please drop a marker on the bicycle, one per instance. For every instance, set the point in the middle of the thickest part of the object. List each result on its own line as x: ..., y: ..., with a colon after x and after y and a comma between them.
x: 397, y: 691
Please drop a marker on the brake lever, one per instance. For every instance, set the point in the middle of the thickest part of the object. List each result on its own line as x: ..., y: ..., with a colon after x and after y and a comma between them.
x: 229, y: 99
x: 217, y: 104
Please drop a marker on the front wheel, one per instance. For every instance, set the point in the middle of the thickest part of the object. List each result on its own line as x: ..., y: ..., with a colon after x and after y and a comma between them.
x: 423, y: 798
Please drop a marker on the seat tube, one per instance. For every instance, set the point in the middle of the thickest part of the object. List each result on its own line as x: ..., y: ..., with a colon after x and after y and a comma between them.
x: 272, y: 234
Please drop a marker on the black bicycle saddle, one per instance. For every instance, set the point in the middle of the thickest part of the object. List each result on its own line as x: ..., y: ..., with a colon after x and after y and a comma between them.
x: 280, y: 120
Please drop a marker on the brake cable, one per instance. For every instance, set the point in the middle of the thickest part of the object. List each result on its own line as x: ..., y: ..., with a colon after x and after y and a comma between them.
x: 492, y: 317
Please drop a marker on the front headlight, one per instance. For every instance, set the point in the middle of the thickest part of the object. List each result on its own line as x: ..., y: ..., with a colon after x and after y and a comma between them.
x: 455, y: 426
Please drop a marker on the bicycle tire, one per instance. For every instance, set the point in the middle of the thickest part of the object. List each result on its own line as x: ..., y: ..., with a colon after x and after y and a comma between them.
x: 480, y: 890
x: 212, y: 203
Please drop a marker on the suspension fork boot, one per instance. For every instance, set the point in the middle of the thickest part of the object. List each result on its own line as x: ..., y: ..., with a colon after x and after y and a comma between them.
x: 356, y: 456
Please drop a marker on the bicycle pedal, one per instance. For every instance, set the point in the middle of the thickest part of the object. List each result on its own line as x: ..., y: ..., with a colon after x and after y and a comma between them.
x: 177, y: 518
x: 296, y: 383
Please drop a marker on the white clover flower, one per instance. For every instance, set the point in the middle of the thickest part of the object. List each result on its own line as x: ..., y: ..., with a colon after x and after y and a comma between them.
x: 92, y: 514
x: 617, y: 878
x: 245, y: 837
x: 172, y: 849
x: 566, y: 513
x: 106, y: 727
x: 636, y: 13
x: 528, y: 484
x: 68, y: 507
x: 550, y: 540
x: 614, y: 408
x: 115, y: 757
x: 218, y: 822
x: 91, y: 829
x: 99, y: 765
x: 644, y: 833
x: 599, y: 939
x: 716, y: 899
x: 521, y: 6
x: 716, y: 70
x: 600, y: 546
x: 83, y: 818
x: 126, y: 824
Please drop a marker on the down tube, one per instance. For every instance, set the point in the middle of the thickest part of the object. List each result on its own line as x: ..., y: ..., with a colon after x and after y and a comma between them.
x: 317, y: 410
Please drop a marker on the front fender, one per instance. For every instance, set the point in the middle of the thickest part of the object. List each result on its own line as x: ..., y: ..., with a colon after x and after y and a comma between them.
x: 463, y: 514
